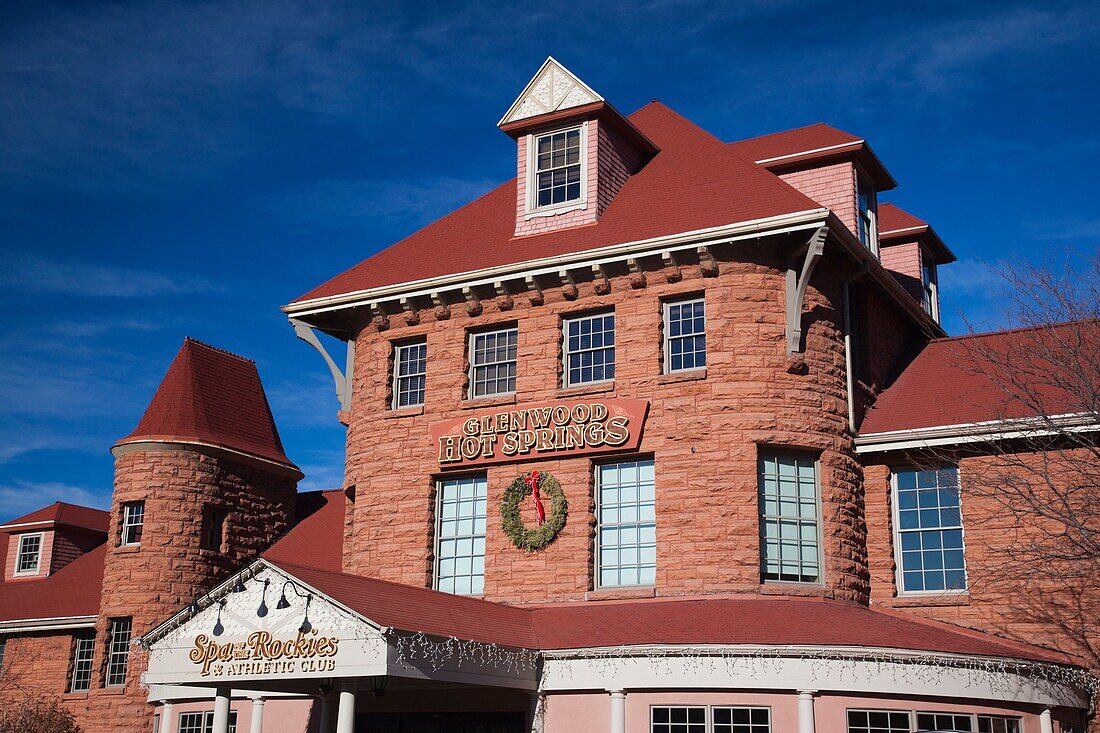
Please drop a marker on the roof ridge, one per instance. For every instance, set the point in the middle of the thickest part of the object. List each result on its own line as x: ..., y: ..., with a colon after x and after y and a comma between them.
x: 1018, y: 329
x: 197, y: 342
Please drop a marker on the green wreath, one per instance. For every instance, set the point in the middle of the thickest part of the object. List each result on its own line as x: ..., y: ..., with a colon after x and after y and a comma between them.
x: 542, y: 535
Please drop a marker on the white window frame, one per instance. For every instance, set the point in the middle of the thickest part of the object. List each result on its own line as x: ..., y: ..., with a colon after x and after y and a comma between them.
x: 780, y: 451
x: 909, y: 714
x: 597, y: 566
x: 566, y: 353
x: 713, y: 723
x: 206, y: 724
x: 41, y: 537
x: 484, y: 477
x: 1018, y: 720
x: 397, y: 377
x: 895, y: 517
x: 470, y: 351
x: 532, y: 209
x: 667, y: 337
x: 83, y: 668
x: 930, y: 289
x: 671, y: 706
x: 114, y: 653
x: 871, y: 220
x: 127, y: 524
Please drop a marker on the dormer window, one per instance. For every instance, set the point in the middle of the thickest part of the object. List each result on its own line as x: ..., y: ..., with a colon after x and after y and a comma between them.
x: 868, y: 215
x: 929, y: 288
x: 28, y: 559
x: 557, y: 167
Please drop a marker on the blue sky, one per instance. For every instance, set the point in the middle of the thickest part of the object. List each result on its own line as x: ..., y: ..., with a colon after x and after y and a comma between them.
x: 175, y: 168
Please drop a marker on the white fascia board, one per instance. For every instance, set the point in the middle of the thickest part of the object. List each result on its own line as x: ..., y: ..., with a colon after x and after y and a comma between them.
x: 43, y: 524
x: 809, y: 219
x: 979, y: 432
x: 55, y: 623
x: 827, y: 148
x: 922, y: 227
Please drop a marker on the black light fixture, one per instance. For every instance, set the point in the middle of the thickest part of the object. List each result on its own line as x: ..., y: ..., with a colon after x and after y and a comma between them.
x: 283, y: 602
x: 194, y: 609
x: 218, y: 628
x: 378, y: 685
x: 306, y: 626
x: 262, y: 610
x: 238, y: 587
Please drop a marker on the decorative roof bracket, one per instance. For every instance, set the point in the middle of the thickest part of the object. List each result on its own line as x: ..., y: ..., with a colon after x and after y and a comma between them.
x: 342, y: 378
x: 798, y: 281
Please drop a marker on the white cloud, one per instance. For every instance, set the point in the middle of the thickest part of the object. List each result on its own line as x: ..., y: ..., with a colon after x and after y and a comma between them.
x: 28, y: 273
x: 20, y: 497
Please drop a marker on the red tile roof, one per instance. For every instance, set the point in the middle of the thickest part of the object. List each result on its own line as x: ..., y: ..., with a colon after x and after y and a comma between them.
x: 214, y: 397
x: 750, y: 620
x: 318, y: 534
x: 60, y: 512
x: 695, y: 182
x: 963, y: 380
x: 897, y: 226
x: 74, y: 590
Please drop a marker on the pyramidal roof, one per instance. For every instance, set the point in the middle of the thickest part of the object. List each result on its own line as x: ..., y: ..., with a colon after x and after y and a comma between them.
x: 212, y: 397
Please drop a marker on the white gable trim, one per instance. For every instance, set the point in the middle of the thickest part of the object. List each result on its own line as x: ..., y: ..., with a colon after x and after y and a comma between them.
x: 552, y: 88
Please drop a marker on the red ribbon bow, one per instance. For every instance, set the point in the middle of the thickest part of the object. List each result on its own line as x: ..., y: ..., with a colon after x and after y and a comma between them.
x: 533, y: 481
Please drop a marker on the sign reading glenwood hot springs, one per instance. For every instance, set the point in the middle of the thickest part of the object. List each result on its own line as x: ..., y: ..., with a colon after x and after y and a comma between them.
x: 546, y: 430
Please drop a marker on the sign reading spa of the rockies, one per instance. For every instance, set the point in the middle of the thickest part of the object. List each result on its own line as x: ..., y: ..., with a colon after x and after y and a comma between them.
x: 547, y: 430
x: 262, y: 654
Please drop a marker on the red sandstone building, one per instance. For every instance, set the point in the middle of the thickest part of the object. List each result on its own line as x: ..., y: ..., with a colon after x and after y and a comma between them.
x: 649, y: 438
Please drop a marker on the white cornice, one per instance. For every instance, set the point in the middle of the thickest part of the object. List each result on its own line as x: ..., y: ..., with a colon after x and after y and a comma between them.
x: 55, y: 623
x: 977, y: 432
x: 825, y: 149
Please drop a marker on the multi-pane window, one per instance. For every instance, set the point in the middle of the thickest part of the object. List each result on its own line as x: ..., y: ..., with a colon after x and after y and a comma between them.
x: 589, y: 349
x: 678, y: 719
x: 204, y: 722
x: 118, y: 651
x: 878, y: 721
x: 213, y: 528
x: 998, y: 724
x: 410, y: 362
x: 29, y: 556
x: 83, y: 649
x: 928, y: 286
x: 868, y: 211
x: 133, y: 519
x: 460, y: 558
x: 685, y: 335
x: 741, y: 720
x: 493, y: 362
x: 790, y: 526
x: 558, y: 168
x: 944, y: 721
x: 626, y: 536
x: 930, y: 535
x: 3, y: 648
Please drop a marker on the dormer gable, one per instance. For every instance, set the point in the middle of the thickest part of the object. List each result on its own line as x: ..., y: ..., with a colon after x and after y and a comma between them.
x: 574, y: 151
x: 42, y: 542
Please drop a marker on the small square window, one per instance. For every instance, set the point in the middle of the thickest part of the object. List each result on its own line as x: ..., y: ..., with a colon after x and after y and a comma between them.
x: 878, y: 721
x: 133, y: 521
x: 678, y: 719
x: 28, y: 559
x: 741, y: 720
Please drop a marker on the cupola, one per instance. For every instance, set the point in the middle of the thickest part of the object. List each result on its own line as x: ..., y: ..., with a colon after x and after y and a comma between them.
x: 574, y: 151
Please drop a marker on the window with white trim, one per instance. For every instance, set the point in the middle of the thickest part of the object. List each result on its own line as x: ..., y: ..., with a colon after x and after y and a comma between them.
x: 878, y: 721
x: 944, y: 721
x: 929, y: 286
x: 558, y: 168
x: 410, y: 364
x: 678, y: 719
x: 118, y: 651
x: 1000, y: 724
x: 460, y: 533
x: 133, y: 521
x: 685, y: 335
x: 928, y: 517
x: 28, y: 558
x: 589, y: 349
x: 83, y: 650
x: 741, y: 720
x: 868, y: 214
x: 626, y: 534
x: 790, y: 518
x: 203, y: 722
x: 493, y: 362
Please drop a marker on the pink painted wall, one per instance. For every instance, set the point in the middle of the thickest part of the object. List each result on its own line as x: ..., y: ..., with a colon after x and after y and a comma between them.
x: 13, y: 550
x: 280, y: 715
x: 832, y: 186
x: 904, y: 263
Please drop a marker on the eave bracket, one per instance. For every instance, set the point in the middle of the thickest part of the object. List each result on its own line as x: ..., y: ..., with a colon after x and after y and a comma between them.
x: 801, y: 267
x: 342, y: 378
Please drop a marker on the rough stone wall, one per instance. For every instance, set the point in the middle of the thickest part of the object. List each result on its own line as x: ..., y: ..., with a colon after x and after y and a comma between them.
x: 168, y: 569
x: 890, y: 342
x: 1001, y: 600
x: 38, y: 664
x: 703, y: 430
x: 832, y: 186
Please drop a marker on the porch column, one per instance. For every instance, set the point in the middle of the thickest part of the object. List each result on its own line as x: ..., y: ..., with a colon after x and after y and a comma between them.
x: 535, y: 705
x: 345, y: 716
x: 328, y: 713
x: 806, y: 711
x: 165, y: 717
x: 221, y: 710
x: 1046, y: 723
x: 256, y: 721
x: 618, y: 711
